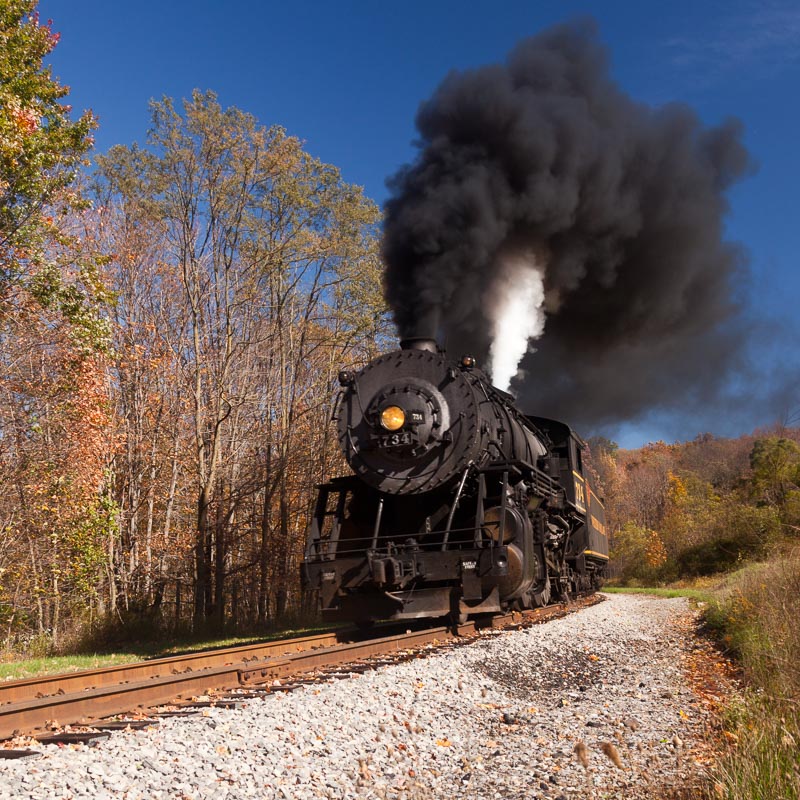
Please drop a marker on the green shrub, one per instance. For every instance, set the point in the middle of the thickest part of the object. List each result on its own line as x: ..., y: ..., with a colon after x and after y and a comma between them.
x: 736, y: 533
x: 637, y: 555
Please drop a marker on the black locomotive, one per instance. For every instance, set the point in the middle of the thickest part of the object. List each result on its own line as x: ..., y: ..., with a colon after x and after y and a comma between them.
x: 460, y: 504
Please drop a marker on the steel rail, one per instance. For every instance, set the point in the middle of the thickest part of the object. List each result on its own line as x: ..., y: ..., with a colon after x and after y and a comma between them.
x: 91, y: 702
x: 29, y: 688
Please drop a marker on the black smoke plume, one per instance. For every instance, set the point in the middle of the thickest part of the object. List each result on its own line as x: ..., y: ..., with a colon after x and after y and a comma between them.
x: 623, y: 202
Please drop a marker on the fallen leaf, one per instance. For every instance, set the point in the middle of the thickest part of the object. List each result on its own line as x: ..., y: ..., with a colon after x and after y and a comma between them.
x: 582, y: 755
x: 611, y: 753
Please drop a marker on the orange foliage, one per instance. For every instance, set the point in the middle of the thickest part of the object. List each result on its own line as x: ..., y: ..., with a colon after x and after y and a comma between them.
x: 655, y: 553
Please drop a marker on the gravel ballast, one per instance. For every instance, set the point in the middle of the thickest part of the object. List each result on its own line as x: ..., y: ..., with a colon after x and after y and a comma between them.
x: 593, y: 705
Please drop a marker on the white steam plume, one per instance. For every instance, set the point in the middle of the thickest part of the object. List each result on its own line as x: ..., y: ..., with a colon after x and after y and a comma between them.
x: 516, y: 310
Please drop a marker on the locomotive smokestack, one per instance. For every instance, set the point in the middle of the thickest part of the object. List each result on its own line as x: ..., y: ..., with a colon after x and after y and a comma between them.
x: 622, y: 206
x: 423, y: 336
x: 419, y: 343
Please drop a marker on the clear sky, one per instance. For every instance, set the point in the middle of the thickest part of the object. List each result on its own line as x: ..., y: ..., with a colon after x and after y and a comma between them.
x: 347, y: 77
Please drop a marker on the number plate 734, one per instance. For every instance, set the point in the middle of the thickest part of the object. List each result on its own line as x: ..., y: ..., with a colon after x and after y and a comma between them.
x: 394, y: 439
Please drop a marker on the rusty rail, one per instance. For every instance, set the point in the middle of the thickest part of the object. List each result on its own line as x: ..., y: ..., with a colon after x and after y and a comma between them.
x: 17, y: 691
x: 80, y: 697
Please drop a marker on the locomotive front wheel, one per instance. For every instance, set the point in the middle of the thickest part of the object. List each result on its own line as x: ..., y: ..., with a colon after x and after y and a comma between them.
x: 458, y: 617
x: 540, y: 596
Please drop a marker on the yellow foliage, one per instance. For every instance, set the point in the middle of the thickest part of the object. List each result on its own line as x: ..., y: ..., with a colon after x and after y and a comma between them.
x: 678, y: 492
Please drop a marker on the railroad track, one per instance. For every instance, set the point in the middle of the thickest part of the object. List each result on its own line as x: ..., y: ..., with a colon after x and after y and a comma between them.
x: 36, y: 706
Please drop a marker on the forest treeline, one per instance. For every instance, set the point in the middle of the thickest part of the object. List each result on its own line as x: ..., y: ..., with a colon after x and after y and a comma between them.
x: 173, y: 318
x: 686, y: 510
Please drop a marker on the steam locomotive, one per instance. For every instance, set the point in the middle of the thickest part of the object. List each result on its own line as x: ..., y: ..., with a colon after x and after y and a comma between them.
x: 460, y: 504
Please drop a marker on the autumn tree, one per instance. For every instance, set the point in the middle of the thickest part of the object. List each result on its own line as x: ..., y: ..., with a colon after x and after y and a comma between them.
x: 53, y: 448
x: 148, y: 404
x: 776, y: 476
x: 54, y: 509
x: 641, y: 495
x: 41, y: 148
x: 776, y: 469
x: 637, y: 553
x: 702, y: 506
x: 273, y: 263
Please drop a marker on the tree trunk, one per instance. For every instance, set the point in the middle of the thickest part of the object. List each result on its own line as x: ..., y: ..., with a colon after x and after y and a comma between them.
x: 202, y: 567
x: 219, y: 571
x: 263, y: 553
x: 281, y: 593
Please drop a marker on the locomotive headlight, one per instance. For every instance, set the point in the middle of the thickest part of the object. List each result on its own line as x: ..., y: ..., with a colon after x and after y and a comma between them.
x: 393, y: 418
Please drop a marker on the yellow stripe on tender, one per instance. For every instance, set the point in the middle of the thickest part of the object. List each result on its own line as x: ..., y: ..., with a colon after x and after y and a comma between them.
x: 578, y: 475
x: 596, y: 555
x: 598, y: 526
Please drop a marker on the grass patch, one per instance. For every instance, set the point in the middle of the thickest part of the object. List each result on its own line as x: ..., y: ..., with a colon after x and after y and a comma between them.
x: 761, y: 760
x: 699, y: 595
x: 755, y: 614
x: 33, y: 667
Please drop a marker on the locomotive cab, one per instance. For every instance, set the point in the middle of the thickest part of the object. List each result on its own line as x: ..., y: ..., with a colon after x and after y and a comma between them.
x: 588, y: 549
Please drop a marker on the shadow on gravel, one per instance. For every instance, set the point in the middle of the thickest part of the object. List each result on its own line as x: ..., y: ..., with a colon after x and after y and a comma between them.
x: 573, y: 671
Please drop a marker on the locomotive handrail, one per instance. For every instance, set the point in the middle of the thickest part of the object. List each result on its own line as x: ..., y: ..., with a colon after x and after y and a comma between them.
x: 337, y: 405
x: 377, y: 529
x: 350, y: 439
x: 362, y: 544
x: 453, y: 507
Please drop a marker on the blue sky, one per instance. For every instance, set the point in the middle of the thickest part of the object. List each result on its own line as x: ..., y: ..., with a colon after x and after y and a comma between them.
x: 347, y: 77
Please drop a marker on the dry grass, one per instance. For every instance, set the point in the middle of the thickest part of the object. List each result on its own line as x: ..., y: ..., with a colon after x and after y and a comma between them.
x: 757, y: 617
